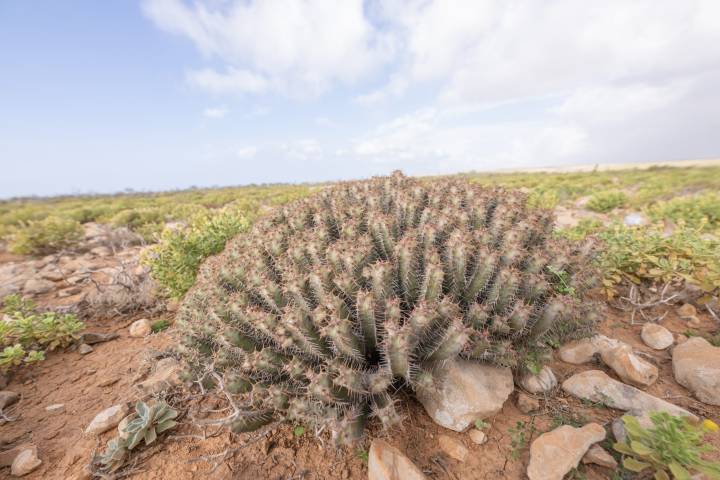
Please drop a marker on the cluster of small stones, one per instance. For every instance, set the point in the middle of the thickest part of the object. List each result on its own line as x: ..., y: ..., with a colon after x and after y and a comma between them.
x: 333, y: 303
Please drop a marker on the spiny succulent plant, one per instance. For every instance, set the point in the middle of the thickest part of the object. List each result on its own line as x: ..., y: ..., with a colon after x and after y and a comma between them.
x: 331, y: 304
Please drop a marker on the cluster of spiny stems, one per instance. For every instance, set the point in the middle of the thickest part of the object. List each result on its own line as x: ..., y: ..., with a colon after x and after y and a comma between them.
x: 327, y: 307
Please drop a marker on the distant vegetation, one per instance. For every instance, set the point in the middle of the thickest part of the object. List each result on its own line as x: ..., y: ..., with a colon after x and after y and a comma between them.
x: 679, y: 238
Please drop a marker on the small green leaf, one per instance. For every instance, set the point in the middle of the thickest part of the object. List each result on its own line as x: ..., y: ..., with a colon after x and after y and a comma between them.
x: 166, y: 425
x: 640, y: 448
x: 661, y: 475
x: 150, y: 436
x: 635, y: 465
x: 678, y: 471
x: 299, y: 431
x: 623, y: 447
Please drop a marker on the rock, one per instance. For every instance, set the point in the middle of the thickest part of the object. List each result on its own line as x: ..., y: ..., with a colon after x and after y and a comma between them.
x: 36, y: 286
x: 629, y: 367
x: 578, y: 352
x: 597, y: 386
x: 687, y: 310
x: 8, y: 456
x: 540, y: 383
x: 693, y: 321
x: 107, y: 419
x: 52, y: 274
x: 84, y: 349
x: 526, y: 403
x: 25, y: 462
x: 478, y: 436
x: 101, y: 251
x: 597, y: 455
x: 466, y: 391
x: 696, y: 366
x: 584, y: 350
x: 166, y: 375
x: 91, y: 338
x: 656, y: 336
x: 55, y: 408
x: 681, y: 338
x: 172, y: 306
x: 386, y: 462
x: 7, y: 398
x: 555, y: 453
x: 453, y: 447
x: 140, y: 328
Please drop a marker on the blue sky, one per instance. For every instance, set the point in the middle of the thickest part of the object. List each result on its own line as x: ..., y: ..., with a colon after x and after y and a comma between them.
x: 163, y: 94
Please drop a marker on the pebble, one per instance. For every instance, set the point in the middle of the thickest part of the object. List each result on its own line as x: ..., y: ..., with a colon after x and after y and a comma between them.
x: 453, y: 447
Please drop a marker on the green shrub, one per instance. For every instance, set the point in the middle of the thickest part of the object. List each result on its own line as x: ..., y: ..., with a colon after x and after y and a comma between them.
x: 42, y: 237
x: 701, y: 211
x: 330, y: 304
x: 672, y: 446
x: 647, y: 254
x: 607, y: 201
x: 174, y: 262
x: 26, y: 334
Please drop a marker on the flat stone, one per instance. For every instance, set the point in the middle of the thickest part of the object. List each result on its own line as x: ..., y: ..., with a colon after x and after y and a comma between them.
x: 453, y: 448
x: 466, y: 391
x: 166, y: 374
x: 107, y: 419
x: 140, y: 328
x: 597, y: 386
x: 37, y: 286
x: 84, y: 349
x: 526, y: 403
x: 91, y: 338
x: 597, y: 455
x: 540, y: 383
x: 554, y: 454
x: 477, y: 436
x: 687, y: 310
x: 386, y: 462
x: 55, y: 408
x: 25, y: 462
x: 656, y: 336
x: 696, y: 366
x: 7, y: 398
x: 584, y: 350
x: 629, y: 367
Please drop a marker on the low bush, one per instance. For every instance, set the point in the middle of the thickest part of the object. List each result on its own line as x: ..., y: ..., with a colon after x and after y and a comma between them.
x: 607, y: 201
x: 672, y: 446
x: 649, y: 255
x: 699, y: 211
x: 26, y: 334
x: 42, y: 237
x: 175, y: 260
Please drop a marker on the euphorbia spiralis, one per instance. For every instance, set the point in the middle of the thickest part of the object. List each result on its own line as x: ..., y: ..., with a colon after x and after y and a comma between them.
x: 331, y: 304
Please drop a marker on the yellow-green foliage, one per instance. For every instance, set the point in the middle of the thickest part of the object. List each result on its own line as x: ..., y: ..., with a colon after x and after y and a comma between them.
x: 40, y: 237
x: 174, y: 261
x: 672, y: 448
x: 697, y: 211
x: 649, y: 185
x: 27, y: 334
x: 143, y: 213
x: 607, y: 201
x: 648, y: 254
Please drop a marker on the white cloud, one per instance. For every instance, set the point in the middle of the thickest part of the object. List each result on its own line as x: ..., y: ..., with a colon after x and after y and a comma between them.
x: 299, y: 47
x: 215, y: 112
x: 233, y: 81
x: 246, y: 152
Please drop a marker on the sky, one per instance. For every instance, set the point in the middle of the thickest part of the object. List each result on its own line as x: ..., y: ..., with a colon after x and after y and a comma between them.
x: 104, y: 96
